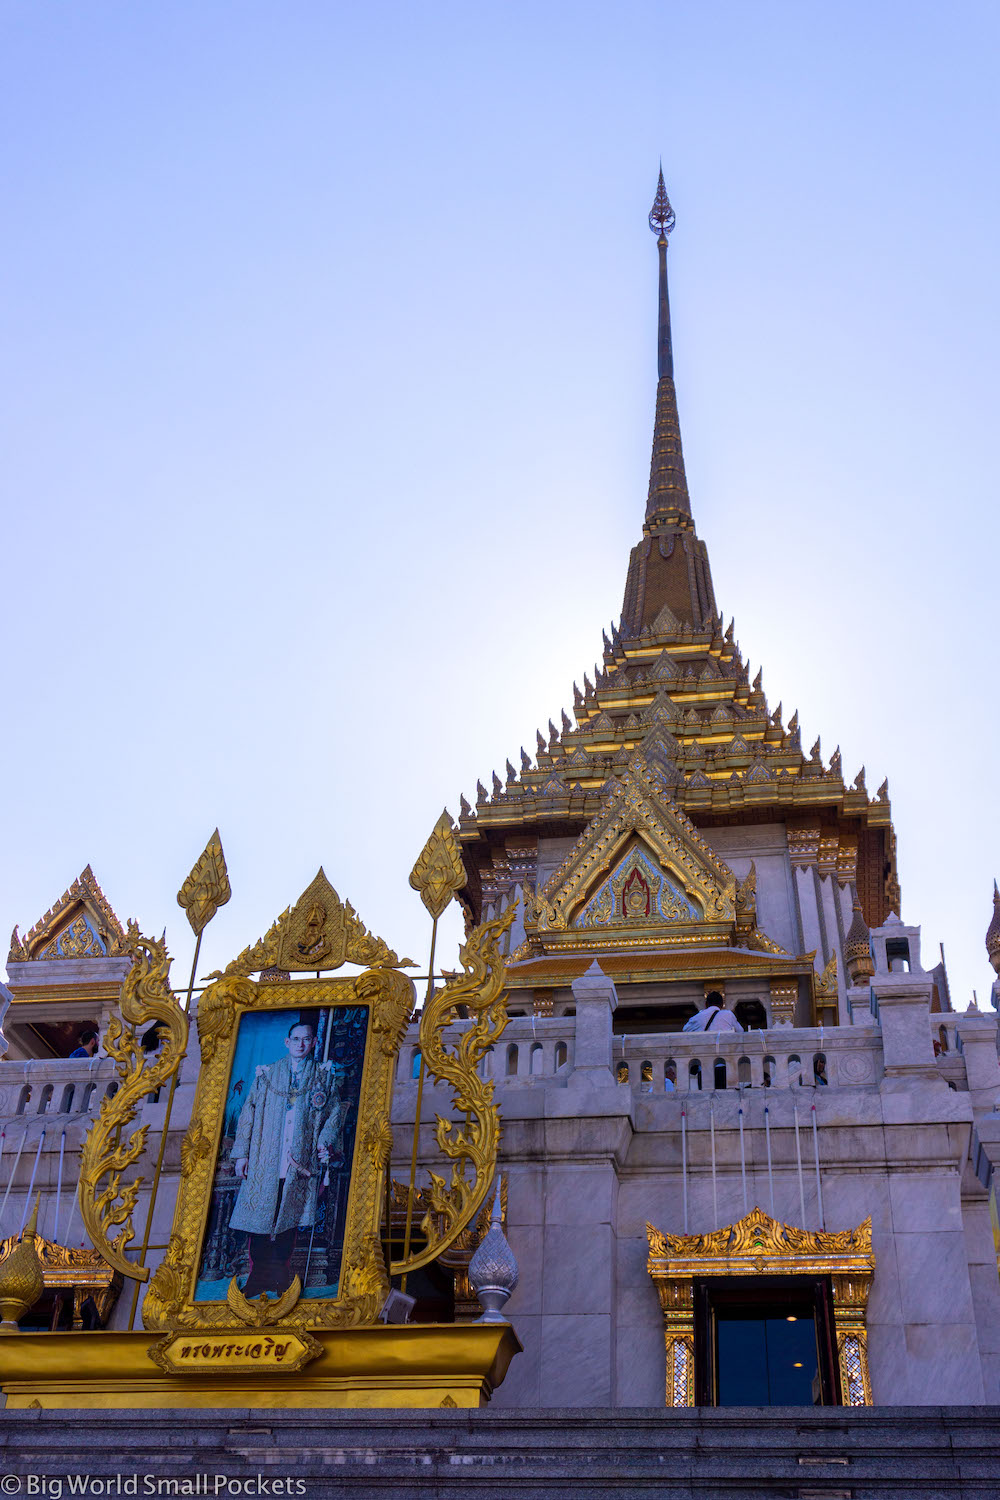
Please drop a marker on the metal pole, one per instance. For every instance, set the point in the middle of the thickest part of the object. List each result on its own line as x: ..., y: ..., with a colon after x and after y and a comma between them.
x: 819, y: 1185
x: 770, y: 1172
x: 158, y: 1171
x: 416, y: 1118
x: 715, y: 1185
x: 13, y: 1173
x: 31, y: 1184
x: 743, y: 1163
x: 684, y: 1165
x: 798, y: 1158
x: 62, y: 1148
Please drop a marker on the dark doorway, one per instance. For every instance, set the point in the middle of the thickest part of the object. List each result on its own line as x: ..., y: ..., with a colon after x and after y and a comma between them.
x: 765, y: 1341
x: 751, y: 1015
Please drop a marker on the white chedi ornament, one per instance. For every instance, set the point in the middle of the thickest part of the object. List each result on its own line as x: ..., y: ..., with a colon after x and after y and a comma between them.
x: 493, y: 1269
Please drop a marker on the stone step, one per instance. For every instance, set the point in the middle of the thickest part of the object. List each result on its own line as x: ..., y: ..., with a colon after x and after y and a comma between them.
x: 575, y: 1454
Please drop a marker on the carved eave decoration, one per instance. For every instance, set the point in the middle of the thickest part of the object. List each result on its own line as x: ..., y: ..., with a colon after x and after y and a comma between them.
x: 762, y: 1246
x: 81, y: 924
x: 319, y: 933
x: 758, y: 1245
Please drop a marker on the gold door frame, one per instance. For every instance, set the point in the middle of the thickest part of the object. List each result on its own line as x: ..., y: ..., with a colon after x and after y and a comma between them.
x: 758, y: 1245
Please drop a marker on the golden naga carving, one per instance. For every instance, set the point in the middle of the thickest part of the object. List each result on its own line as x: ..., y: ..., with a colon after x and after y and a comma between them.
x: 320, y: 932
x: 145, y: 998
x: 479, y: 990
x: 438, y: 873
x: 207, y: 887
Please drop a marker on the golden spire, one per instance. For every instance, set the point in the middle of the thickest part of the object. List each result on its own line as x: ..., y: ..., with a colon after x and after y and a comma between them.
x: 668, y: 492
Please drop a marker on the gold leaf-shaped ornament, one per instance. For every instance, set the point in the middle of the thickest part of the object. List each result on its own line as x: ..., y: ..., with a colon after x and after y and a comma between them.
x: 207, y: 887
x: 438, y: 872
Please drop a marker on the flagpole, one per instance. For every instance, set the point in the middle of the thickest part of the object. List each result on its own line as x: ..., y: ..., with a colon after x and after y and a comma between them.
x: 203, y: 892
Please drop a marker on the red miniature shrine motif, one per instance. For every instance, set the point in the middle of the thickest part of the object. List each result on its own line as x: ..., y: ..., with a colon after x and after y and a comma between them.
x: 636, y: 898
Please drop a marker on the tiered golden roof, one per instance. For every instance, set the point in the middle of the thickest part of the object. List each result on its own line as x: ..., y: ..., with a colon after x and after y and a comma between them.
x: 673, y: 693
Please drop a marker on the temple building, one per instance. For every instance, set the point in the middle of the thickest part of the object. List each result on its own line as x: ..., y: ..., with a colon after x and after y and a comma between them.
x: 749, y: 1149
x: 677, y: 831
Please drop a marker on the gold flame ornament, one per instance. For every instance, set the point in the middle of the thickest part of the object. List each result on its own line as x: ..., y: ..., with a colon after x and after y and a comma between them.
x: 207, y: 887
x: 438, y: 872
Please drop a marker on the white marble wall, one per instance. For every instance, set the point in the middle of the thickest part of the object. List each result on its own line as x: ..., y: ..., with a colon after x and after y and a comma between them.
x: 589, y: 1162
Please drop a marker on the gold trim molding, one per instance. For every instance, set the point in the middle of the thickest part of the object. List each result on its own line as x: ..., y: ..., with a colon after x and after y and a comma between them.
x: 758, y: 1245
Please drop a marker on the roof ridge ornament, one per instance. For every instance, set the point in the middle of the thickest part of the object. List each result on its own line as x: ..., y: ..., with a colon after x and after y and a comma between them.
x: 661, y: 216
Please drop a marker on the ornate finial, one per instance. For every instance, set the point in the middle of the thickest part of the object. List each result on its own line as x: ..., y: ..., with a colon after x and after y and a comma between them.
x: 525, y: 760
x: 661, y: 215
x: 438, y: 873
x: 207, y: 887
x: 21, y: 1279
x: 857, y: 948
x: 493, y: 1271
x: 993, y: 932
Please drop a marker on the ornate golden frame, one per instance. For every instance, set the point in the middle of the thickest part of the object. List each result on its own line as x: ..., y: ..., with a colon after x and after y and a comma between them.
x: 364, y: 1285
x: 318, y: 934
x: 758, y: 1245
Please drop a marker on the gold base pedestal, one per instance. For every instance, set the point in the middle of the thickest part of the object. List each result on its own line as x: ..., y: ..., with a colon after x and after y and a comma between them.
x: 416, y: 1365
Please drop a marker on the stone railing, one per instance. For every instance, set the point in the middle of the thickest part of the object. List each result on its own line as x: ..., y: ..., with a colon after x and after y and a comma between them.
x: 49, y: 1086
x: 784, y: 1057
x: 531, y: 1047
x: 542, y: 1051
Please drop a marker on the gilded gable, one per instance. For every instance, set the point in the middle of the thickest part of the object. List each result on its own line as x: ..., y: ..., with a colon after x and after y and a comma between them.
x: 81, y: 924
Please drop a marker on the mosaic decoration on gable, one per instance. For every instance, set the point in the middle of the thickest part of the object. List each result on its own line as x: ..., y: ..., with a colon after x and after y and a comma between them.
x: 636, y: 892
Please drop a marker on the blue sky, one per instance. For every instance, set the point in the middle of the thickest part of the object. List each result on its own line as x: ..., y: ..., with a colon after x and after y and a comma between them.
x: 327, y: 363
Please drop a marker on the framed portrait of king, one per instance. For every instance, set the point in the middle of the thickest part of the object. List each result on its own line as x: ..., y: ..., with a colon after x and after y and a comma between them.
x: 283, y: 1166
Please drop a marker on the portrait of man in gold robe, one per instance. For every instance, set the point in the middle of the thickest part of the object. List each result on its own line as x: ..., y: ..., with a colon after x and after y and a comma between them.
x: 290, y: 1124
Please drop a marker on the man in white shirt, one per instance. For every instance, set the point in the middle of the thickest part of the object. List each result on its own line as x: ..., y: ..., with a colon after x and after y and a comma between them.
x: 715, y: 1016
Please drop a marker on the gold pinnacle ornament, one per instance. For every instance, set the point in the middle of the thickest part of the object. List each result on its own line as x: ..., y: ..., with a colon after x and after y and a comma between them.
x: 21, y: 1279
x: 207, y: 887
x: 438, y: 872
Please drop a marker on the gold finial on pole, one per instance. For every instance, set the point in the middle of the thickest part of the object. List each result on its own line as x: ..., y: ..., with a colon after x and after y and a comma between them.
x: 207, y: 887
x: 437, y: 875
x: 439, y: 872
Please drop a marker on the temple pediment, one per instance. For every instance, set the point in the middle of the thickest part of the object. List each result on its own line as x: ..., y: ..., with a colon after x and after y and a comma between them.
x: 81, y: 924
x: 639, y: 875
